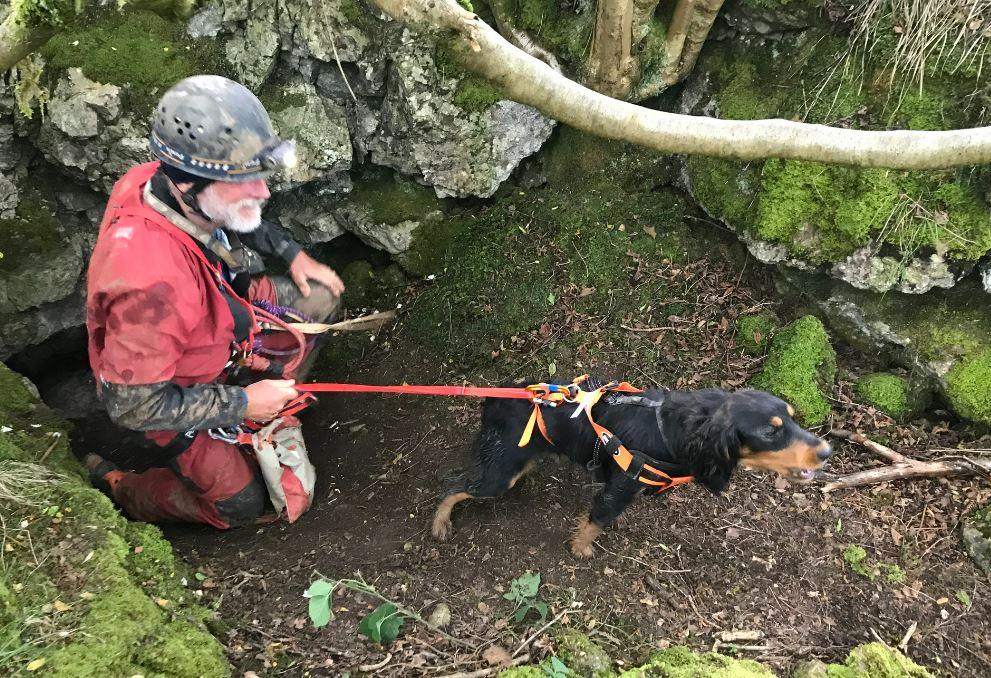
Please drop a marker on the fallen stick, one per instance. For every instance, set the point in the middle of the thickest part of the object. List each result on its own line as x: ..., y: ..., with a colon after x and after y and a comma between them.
x: 368, y: 668
x: 878, y: 449
x: 903, y: 467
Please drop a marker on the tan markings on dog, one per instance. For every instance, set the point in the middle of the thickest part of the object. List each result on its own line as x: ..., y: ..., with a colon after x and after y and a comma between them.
x: 776, y: 422
x: 583, y: 536
x: 530, y: 465
x: 783, y: 461
x: 442, y: 518
x: 791, y: 411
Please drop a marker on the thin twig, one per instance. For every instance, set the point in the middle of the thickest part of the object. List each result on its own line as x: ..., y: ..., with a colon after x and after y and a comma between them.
x: 368, y: 668
x: 543, y: 628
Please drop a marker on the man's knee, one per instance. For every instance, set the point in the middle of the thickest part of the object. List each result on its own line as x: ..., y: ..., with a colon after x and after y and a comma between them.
x: 246, y: 506
x: 322, y: 305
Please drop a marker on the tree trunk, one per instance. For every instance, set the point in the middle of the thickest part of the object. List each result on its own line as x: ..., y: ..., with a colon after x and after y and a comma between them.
x: 532, y: 82
x: 610, y: 65
x: 674, y: 43
x: 698, y: 30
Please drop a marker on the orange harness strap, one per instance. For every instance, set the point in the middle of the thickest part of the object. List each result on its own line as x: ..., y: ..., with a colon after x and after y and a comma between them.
x: 554, y: 395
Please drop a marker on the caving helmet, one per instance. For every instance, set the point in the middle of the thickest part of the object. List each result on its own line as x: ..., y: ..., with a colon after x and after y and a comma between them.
x: 218, y: 130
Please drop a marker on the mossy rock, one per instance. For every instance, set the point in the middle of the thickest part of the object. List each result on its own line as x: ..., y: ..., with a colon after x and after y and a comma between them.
x: 681, y: 662
x: 900, y: 397
x: 977, y: 537
x: 820, y: 214
x: 876, y: 660
x: 128, y: 611
x: 800, y: 369
x: 582, y: 656
x: 32, y: 234
x: 145, y: 50
x: 968, y: 386
x: 753, y: 332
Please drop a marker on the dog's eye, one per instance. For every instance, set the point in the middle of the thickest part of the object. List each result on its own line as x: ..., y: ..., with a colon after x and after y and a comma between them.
x: 772, y: 431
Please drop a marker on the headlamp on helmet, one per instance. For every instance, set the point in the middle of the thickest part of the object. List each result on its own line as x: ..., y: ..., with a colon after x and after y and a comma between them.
x: 282, y: 156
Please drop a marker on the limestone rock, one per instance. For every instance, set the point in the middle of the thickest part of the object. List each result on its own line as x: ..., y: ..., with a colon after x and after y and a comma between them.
x: 423, y: 132
x: 320, y: 128
x: 89, y: 134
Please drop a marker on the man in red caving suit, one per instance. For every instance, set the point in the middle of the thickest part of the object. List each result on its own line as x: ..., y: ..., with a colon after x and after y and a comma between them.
x: 172, y: 289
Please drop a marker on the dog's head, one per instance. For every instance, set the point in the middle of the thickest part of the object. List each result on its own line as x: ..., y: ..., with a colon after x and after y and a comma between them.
x: 770, y: 438
x: 755, y: 430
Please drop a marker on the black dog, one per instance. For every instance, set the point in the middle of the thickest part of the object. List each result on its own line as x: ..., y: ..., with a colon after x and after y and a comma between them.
x: 704, y: 434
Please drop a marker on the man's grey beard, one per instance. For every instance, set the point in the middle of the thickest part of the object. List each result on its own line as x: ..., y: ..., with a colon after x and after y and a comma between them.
x: 226, y: 214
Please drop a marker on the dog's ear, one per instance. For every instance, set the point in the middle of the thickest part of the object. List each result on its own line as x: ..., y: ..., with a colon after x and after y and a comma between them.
x: 711, y: 449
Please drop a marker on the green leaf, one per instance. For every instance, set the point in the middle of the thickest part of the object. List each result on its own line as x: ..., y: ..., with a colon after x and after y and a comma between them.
x: 550, y: 298
x: 964, y: 598
x: 541, y: 609
x: 320, y: 587
x: 319, y: 594
x: 521, y: 613
x: 320, y: 610
x: 524, y: 586
x: 382, y: 624
x: 552, y: 369
x: 200, y: 576
x: 528, y: 583
x: 555, y: 668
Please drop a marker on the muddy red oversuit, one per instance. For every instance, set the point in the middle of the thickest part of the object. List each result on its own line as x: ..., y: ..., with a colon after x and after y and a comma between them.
x: 161, y: 329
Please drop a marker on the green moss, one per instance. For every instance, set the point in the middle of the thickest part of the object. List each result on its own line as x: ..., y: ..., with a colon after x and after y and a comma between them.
x: 822, y: 213
x: 392, y: 199
x: 856, y: 557
x: 876, y: 660
x: 33, y: 233
x: 184, y: 650
x: 574, y: 157
x: 753, y: 332
x: 473, y: 94
x: 498, y: 288
x: 741, y: 95
x: 126, y: 612
x: 137, y: 48
x: 968, y: 386
x: 276, y: 99
x: 887, y: 392
x: 354, y: 12
x: 566, y: 34
x: 726, y: 189
x: 800, y: 369
x: 523, y: 672
x: 582, y: 656
x: 681, y: 662
x: 893, y: 573
x: 44, y: 13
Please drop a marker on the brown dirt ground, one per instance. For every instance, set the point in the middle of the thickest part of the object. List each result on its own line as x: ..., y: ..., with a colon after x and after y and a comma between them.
x: 765, y: 556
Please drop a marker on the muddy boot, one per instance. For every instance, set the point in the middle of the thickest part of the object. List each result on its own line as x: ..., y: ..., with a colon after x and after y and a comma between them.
x: 103, y: 475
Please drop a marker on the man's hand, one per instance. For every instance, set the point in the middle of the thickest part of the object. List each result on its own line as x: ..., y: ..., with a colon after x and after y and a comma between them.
x: 266, y: 398
x: 304, y: 268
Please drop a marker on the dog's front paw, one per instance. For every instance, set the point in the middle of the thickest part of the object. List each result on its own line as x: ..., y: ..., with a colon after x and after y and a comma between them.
x: 582, y: 550
x: 441, y: 528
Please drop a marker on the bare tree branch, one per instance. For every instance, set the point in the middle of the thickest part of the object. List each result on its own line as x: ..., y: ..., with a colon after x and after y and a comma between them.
x: 530, y: 81
x: 903, y: 467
